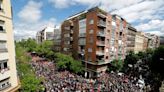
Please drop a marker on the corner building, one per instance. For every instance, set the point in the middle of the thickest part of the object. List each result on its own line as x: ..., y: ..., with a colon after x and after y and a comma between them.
x: 94, y: 37
x: 8, y: 74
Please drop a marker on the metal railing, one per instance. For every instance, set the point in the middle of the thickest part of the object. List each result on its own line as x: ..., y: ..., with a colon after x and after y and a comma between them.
x: 100, y: 43
x: 5, y: 87
x: 102, y: 23
x: 101, y: 33
x: 82, y: 35
x: 3, y: 50
x: 82, y: 42
x: 100, y: 53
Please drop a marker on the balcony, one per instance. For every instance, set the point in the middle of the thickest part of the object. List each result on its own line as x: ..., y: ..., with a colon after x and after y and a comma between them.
x: 71, y: 31
x: 5, y: 87
x: 57, y: 43
x: 82, y: 35
x: 3, y: 36
x: 100, y: 43
x: 82, y: 42
x: 4, y: 73
x: 81, y: 51
x: 100, y: 61
x: 68, y: 38
x: 100, y: 53
x: 101, y: 33
x: 2, y: 50
x: 101, y: 15
x: 101, y: 23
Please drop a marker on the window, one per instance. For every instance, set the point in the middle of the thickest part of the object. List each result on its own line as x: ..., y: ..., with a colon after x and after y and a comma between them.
x: 3, y: 46
x: 106, y: 57
x: 82, y: 23
x: 89, y: 49
x: 91, y: 21
x: 91, y: 31
x: 108, y: 31
x: 67, y: 42
x: 91, y: 39
x: 82, y: 30
x: 2, y: 28
x: 1, y: 8
x: 67, y: 28
x: 65, y: 49
x: 106, y: 50
x: 82, y: 41
x: 66, y: 35
x: 108, y: 41
x: 3, y: 64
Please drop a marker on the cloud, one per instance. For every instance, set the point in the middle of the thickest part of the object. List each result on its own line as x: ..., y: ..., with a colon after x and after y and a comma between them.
x: 61, y: 3
x: 30, y: 21
x: 31, y: 12
x: 153, y: 26
x: 25, y: 30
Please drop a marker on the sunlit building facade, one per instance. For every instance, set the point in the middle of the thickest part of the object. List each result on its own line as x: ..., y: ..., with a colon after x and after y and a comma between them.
x: 8, y: 75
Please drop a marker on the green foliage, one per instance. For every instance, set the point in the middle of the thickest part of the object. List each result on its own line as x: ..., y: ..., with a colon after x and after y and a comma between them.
x: 29, y: 82
x: 116, y: 65
x: 43, y: 49
x: 141, y: 55
x: 66, y: 62
x: 76, y: 66
x: 131, y: 58
x: 157, y: 62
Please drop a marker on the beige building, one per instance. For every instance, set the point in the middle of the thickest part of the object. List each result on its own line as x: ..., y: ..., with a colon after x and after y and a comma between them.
x: 131, y: 35
x: 45, y: 34
x: 8, y: 74
x: 139, y: 42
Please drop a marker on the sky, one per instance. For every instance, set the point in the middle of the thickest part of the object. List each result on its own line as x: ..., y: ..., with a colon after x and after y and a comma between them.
x: 30, y: 16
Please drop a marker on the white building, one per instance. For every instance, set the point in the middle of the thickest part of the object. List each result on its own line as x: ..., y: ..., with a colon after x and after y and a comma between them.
x: 8, y: 74
x: 45, y: 34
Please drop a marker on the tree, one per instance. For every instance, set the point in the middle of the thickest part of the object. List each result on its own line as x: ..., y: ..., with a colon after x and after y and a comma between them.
x: 116, y: 65
x: 141, y: 55
x: 157, y: 62
x: 131, y: 58
x: 28, y: 79
x: 66, y: 62
x: 76, y: 67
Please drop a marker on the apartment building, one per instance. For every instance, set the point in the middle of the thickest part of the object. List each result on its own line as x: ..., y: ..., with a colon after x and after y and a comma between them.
x: 153, y: 40
x: 57, y: 39
x: 139, y: 42
x: 95, y: 37
x: 8, y: 74
x: 131, y: 35
x: 162, y: 40
x: 45, y: 34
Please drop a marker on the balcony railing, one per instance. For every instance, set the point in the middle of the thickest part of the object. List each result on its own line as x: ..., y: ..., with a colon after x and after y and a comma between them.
x: 101, y: 33
x: 100, y: 43
x: 102, y: 23
x: 101, y: 15
x: 57, y: 43
x: 82, y: 42
x: 81, y: 51
x: 71, y: 31
x: 100, y: 53
x: 4, y: 70
x: 5, y: 87
x: 82, y: 35
x: 100, y: 61
x: 3, y: 50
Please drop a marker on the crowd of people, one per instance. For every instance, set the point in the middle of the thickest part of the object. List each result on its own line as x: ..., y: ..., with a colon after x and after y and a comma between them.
x: 65, y: 81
